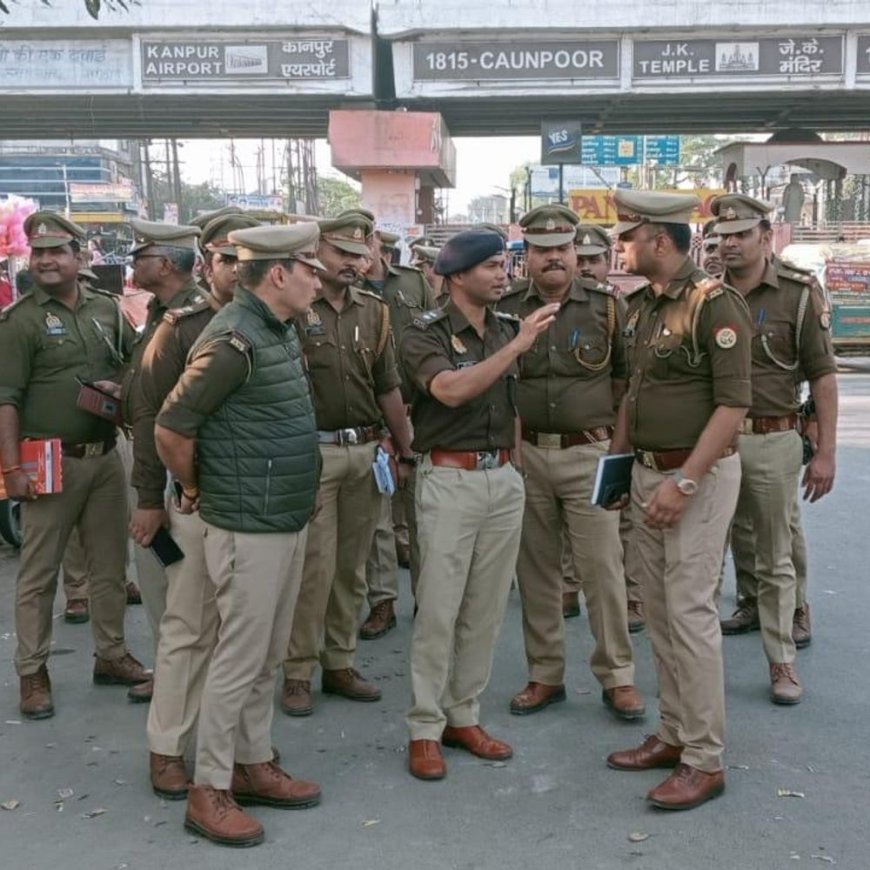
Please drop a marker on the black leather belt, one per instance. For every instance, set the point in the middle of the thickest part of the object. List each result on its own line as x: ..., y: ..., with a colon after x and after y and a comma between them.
x: 352, y: 435
x: 88, y: 450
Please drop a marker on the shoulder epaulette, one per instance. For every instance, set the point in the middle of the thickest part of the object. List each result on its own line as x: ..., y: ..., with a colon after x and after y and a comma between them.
x: 599, y: 287
x: 635, y: 290
x: 114, y: 296
x: 786, y: 270
x: 175, y: 314
x: 239, y: 342
x: 509, y: 317
x: 520, y: 286
x: 402, y: 268
x: 427, y: 318
x: 370, y: 294
x: 4, y: 313
x: 711, y: 287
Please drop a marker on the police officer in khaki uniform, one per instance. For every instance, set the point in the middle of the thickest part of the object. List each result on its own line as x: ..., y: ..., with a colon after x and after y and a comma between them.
x: 238, y: 434
x: 355, y: 384
x: 163, y: 257
x: 570, y: 384
x: 407, y: 294
x: 188, y: 626
x: 463, y: 358
x: 688, y: 342
x: 592, y: 244
x: 50, y: 337
x: 791, y: 342
x: 424, y: 260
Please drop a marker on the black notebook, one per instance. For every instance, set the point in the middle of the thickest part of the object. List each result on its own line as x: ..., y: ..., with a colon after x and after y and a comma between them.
x: 612, y: 478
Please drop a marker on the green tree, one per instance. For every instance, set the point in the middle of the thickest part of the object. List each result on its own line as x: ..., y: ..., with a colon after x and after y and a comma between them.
x: 194, y: 198
x: 93, y: 7
x: 335, y: 195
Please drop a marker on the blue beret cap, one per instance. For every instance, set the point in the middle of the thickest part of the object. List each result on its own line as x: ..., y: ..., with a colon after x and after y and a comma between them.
x: 466, y: 249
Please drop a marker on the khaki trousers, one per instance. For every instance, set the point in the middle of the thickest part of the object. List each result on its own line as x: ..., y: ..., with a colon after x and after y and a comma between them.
x: 333, y: 580
x: 468, y: 524
x: 94, y: 500
x: 633, y: 589
x: 679, y: 570
x: 559, y: 487
x: 75, y: 571
x: 382, y: 565
x: 256, y: 581
x: 188, y: 633
x: 768, y: 501
x: 743, y: 553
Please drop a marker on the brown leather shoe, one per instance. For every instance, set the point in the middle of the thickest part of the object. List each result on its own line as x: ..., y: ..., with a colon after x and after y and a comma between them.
x: 125, y: 671
x: 76, y: 611
x: 801, y: 630
x: 636, y: 617
x: 570, y: 605
x: 134, y: 596
x: 744, y: 619
x: 349, y: 683
x: 624, y: 702
x: 168, y: 776
x: 216, y: 816
x: 785, y: 687
x: 270, y: 786
x: 140, y: 693
x: 650, y: 754
x: 425, y: 760
x: 35, y: 693
x: 296, y: 698
x: 686, y: 788
x: 380, y: 621
x: 535, y: 697
x: 473, y: 739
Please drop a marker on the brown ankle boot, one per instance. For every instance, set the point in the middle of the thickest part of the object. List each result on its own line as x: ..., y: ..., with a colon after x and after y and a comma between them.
x: 380, y: 621
x: 125, y: 671
x: 36, y: 700
x: 168, y: 776
x: 296, y: 698
x: 267, y: 784
x: 349, y: 683
x: 214, y: 814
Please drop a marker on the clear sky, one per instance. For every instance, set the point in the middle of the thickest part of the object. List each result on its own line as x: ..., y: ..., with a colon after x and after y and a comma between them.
x: 483, y: 165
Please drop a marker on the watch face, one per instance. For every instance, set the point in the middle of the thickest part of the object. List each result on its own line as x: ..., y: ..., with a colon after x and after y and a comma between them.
x: 687, y: 487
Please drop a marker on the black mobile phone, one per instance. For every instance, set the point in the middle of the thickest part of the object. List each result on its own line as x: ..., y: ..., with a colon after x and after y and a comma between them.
x: 164, y: 548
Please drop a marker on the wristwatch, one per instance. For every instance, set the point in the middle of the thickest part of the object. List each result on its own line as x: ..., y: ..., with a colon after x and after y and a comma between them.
x: 684, y: 484
x: 408, y: 460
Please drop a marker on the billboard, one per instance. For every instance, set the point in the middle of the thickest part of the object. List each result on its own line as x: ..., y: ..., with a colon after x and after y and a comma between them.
x: 595, y: 206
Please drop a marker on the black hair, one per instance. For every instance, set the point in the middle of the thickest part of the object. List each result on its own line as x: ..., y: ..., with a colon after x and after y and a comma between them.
x: 182, y: 258
x: 679, y: 234
x: 252, y: 273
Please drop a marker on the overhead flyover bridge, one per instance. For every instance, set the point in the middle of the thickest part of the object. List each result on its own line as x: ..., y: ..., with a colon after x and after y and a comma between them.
x: 277, y: 68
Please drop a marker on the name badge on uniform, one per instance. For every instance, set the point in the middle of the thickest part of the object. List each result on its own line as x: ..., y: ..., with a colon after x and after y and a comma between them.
x: 54, y: 325
x: 457, y: 345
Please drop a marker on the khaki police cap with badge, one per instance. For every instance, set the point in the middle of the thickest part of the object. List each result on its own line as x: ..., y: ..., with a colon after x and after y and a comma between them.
x: 215, y: 234
x: 148, y: 233
x: 348, y: 232
x: 388, y: 240
x: 737, y: 213
x: 637, y: 207
x: 208, y: 216
x: 491, y: 228
x: 368, y: 215
x: 591, y: 240
x: 293, y: 242
x: 47, y: 229
x: 549, y: 226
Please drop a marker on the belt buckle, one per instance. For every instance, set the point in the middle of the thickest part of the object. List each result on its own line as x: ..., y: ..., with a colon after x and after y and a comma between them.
x: 487, y: 459
x: 746, y: 426
x: 550, y: 440
x: 93, y: 449
x: 347, y: 436
x: 647, y: 458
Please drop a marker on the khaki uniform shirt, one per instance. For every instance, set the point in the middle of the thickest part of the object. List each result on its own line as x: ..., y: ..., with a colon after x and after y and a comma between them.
x: 130, y: 393
x: 443, y: 340
x: 44, y: 346
x: 566, y: 378
x: 162, y: 363
x: 408, y: 295
x: 341, y: 350
x: 689, y: 350
x: 782, y: 358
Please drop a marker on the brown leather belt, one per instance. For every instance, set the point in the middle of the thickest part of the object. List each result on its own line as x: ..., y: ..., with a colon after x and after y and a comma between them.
x: 88, y: 450
x: 670, y: 460
x: 766, y: 425
x: 558, y: 441
x: 470, y: 460
x: 351, y: 435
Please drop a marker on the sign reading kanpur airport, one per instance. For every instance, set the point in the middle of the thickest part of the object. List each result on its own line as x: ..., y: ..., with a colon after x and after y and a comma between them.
x: 518, y: 59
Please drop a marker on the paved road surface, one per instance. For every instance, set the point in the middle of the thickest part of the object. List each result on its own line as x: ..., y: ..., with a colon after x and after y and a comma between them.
x: 555, y: 805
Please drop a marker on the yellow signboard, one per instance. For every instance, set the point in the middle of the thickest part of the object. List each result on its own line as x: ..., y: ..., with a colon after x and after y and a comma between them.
x: 595, y: 205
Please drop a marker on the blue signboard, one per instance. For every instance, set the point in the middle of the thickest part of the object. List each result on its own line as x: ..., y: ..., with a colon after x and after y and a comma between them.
x: 560, y: 142
x: 630, y: 150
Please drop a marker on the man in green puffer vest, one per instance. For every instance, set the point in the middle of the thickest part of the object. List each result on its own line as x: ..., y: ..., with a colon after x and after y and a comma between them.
x: 238, y: 435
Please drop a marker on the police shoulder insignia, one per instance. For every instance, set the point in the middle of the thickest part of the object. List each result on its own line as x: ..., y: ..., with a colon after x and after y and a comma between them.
x: 825, y: 319
x: 239, y: 342
x: 710, y: 287
x: 5, y: 312
x: 511, y: 318
x: 370, y: 294
x: 725, y: 337
x: 109, y: 293
x: 427, y: 318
